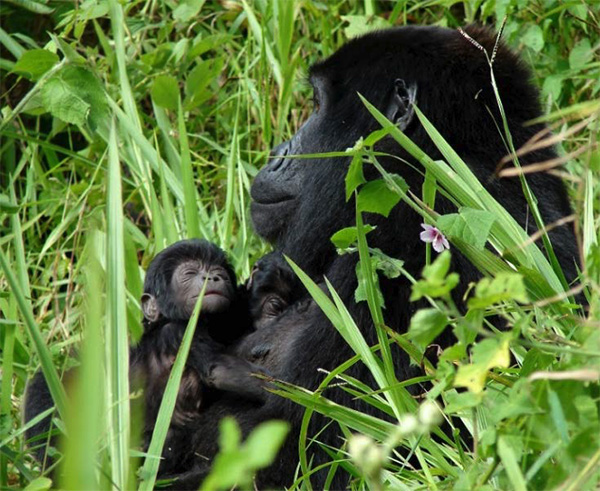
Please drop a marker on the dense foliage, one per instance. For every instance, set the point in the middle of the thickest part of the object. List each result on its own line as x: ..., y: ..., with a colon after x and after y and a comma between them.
x: 127, y: 126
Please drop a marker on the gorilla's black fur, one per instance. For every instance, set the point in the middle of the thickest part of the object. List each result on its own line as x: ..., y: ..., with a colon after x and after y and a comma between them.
x: 173, y: 282
x: 299, y: 203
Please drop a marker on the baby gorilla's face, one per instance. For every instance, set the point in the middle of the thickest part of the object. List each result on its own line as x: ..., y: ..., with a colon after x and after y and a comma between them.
x: 188, y: 280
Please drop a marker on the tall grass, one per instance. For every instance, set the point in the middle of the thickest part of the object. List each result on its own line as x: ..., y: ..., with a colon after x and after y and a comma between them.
x: 128, y: 126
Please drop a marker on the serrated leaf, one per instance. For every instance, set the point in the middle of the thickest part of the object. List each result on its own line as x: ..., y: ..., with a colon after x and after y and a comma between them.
x: 487, y: 354
x: 504, y: 287
x: 165, y: 92
x: 34, y: 63
x: 377, y: 197
x: 355, y: 176
x: 64, y: 102
x: 425, y: 326
x: 471, y: 225
x: 360, y: 294
x: 76, y: 96
x: 348, y: 236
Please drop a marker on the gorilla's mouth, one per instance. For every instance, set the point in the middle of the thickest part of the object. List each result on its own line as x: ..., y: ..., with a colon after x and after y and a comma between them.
x: 273, y: 199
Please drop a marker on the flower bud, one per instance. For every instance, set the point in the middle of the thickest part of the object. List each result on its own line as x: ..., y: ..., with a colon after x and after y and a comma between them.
x: 366, y: 454
x: 407, y: 425
x: 429, y: 414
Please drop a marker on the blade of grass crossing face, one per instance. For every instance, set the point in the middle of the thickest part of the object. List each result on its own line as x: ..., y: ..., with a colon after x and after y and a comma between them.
x: 117, y: 346
x: 167, y: 405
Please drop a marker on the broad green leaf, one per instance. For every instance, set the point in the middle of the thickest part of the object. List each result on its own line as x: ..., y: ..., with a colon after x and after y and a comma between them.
x: 533, y: 37
x: 471, y: 225
x: 580, y: 54
x: 425, y: 326
x: 361, y: 24
x: 457, y: 402
x: 63, y: 101
x: 553, y: 86
x: 347, y: 237
x: 355, y: 176
x: 230, y: 435
x: 360, y: 294
x: 165, y: 92
x: 34, y: 63
x: 264, y: 442
x: 187, y: 10
x: 504, y: 287
x: 377, y: 197
x: 435, y: 283
x: 39, y: 484
x: 198, y: 80
x: 487, y: 354
x: 76, y: 96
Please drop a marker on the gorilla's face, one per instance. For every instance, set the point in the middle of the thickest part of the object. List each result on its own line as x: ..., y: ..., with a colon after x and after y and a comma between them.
x: 301, y: 200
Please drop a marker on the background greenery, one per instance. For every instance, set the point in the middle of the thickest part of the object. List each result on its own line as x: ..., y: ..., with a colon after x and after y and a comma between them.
x: 127, y: 126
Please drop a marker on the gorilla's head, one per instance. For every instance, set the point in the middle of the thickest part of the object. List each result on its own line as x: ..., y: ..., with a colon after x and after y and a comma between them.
x: 298, y: 203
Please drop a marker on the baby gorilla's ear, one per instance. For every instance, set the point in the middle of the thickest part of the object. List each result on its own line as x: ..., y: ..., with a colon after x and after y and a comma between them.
x: 150, y: 307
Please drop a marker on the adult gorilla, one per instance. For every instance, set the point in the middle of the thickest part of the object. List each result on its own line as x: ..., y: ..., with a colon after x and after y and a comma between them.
x: 299, y: 203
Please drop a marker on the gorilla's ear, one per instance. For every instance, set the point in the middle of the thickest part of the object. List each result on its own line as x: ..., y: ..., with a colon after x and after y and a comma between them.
x: 150, y: 307
x: 401, y: 107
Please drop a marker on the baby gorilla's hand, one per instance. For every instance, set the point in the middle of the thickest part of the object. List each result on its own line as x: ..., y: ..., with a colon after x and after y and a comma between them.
x: 234, y: 375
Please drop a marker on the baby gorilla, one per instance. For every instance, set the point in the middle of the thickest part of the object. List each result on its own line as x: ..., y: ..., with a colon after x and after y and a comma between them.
x: 174, y: 281
x: 272, y: 287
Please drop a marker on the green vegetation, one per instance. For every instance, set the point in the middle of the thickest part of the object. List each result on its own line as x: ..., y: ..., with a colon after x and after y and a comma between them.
x: 127, y: 126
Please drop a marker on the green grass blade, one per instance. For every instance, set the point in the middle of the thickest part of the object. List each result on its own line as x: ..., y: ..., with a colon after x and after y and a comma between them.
x: 56, y: 389
x: 508, y: 458
x: 87, y: 410
x: 190, y: 196
x: 163, y: 420
x: 117, y: 346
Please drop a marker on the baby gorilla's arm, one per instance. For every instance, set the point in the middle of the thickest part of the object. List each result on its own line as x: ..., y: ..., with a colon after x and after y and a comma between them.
x: 226, y: 372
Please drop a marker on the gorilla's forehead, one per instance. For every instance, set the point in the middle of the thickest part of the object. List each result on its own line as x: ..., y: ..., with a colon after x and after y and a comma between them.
x: 380, y: 45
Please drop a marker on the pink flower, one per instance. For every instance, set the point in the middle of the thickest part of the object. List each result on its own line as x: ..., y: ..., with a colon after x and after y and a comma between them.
x: 435, y: 237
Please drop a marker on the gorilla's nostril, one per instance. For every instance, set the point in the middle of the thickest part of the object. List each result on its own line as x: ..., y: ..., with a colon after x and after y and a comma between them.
x: 277, y: 156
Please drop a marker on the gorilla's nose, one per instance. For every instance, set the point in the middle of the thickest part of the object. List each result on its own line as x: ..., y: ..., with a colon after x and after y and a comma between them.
x: 277, y: 156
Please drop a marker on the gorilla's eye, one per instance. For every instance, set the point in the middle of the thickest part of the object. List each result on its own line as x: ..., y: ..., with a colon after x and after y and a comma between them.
x: 316, y: 101
x: 273, y: 306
